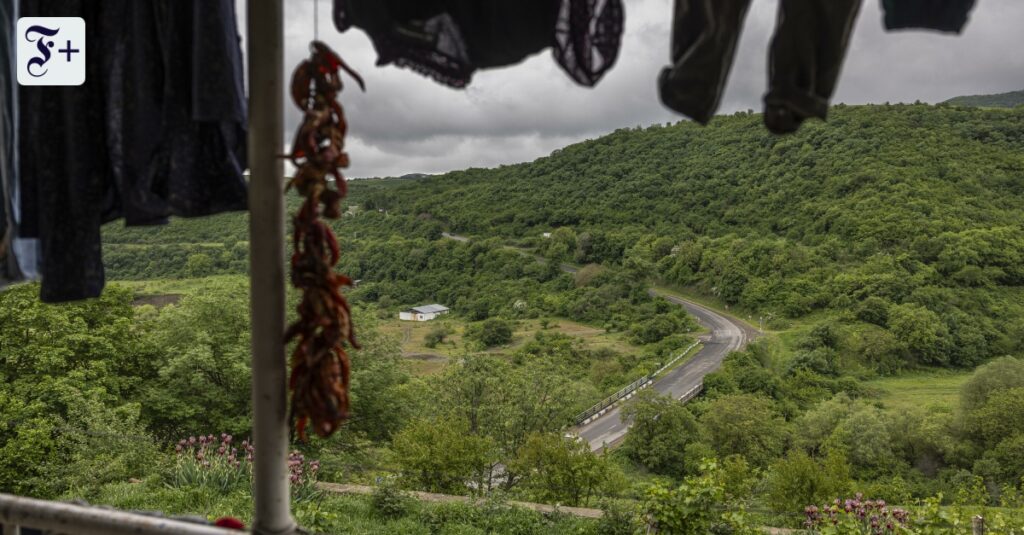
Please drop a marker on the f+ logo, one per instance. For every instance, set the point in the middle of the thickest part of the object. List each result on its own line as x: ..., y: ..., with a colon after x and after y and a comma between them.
x: 39, y: 38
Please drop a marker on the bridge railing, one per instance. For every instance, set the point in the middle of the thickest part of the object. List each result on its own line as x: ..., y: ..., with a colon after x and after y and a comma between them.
x: 630, y: 389
x: 692, y: 393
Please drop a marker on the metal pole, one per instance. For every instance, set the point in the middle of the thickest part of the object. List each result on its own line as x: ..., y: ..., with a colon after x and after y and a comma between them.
x: 265, y: 38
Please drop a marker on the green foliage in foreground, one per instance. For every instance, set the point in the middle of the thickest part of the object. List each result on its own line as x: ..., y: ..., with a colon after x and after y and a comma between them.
x: 332, y: 514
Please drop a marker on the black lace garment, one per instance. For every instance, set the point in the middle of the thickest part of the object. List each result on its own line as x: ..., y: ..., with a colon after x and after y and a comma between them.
x: 158, y: 129
x: 449, y: 40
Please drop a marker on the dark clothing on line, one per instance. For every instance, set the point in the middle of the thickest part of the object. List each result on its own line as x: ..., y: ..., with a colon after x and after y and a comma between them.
x: 158, y: 129
x: 941, y: 15
x: 704, y: 37
x: 8, y: 265
x: 449, y: 40
x: 806, y: 58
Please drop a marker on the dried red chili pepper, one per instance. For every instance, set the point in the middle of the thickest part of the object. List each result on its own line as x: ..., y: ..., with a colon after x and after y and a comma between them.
x: 319, y: 379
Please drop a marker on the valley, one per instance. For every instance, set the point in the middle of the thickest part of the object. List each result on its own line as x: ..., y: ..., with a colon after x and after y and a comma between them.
x: 881, y: 253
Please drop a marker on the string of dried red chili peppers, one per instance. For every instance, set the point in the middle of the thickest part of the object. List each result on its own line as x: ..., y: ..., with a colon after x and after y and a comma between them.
x: 319, y: 379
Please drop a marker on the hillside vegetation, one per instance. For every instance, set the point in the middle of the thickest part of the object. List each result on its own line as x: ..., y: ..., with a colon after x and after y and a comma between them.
x: 905, y: 219
x: 1000, y: 100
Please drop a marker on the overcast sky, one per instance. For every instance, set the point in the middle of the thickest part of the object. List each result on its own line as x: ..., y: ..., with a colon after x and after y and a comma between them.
x: 407, y: 124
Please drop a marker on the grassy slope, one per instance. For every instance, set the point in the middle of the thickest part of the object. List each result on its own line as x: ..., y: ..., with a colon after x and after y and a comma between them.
x: 920, y: 390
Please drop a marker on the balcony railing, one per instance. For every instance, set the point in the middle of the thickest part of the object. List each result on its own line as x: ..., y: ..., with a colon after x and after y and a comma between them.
x: 22, y: 516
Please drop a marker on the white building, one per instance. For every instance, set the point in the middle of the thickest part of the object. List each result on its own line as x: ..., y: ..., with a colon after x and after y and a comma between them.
x: 423, y: 313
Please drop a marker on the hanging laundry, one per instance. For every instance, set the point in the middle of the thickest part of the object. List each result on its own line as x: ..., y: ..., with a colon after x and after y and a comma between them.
x: 157, y: 129
x: 449, y: 40
x: 806, y: 57
x: 8, y: 265
x: 19, y: 257
x: 704, y: 37
x: 181, y: 148
x: 941, y: 15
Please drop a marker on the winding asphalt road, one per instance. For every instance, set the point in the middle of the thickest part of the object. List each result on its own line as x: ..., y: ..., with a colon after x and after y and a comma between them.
x: 726, y: 334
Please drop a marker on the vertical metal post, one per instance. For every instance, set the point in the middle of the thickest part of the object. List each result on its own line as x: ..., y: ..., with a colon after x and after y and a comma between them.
x: 265, y: 39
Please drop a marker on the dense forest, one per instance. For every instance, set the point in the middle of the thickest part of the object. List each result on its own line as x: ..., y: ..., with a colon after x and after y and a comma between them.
x: 884, y: 247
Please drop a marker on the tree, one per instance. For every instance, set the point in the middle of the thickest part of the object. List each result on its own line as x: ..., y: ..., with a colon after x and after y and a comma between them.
x: 874, y: 310
x: 441, y: 455
x: 1000, y: 374
x: 1001, y: 417
x: 198, y: 265
x: 67, y: 377
x: 204, y: 373
x: 865, y: 438
x: 662, y: 428
x: 696, y: 507
x: 747, y: 425
x: 921, y: 332
x: 509, y: 403
x: 557, y: 469
x: 493, y: 332
x: 380, y: 400
x: 798, y: 480
x: 435, y: 336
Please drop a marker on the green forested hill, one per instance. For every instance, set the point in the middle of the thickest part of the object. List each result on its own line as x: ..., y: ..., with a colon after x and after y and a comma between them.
x: 1001, y: 100
x: 915, y: 210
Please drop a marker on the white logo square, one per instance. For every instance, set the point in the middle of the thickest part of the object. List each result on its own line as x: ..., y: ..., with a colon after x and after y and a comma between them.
x: 51, y: 51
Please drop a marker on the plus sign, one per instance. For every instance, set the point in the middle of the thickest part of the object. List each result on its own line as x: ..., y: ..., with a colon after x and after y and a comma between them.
x: 68, y: 50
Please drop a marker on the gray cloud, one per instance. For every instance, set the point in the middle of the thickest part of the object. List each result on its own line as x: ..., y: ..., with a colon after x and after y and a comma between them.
x: 405, y: 123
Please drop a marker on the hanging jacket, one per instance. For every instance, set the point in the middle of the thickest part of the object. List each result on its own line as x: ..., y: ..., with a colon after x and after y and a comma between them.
x: 449, y: 40
x: 157, y: 129
x: 806, y: 57
x: 941, y: 15
x: 704, y: 37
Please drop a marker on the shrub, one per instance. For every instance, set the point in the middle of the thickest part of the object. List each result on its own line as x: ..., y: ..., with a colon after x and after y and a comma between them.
x: 389, y: 502
x: 436, y: 336
x: 492, y: 332
x: 617, y: 520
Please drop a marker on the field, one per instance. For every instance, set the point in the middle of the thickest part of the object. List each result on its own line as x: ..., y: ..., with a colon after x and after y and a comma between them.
x: 426, y: 360
x: 924, y: 390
